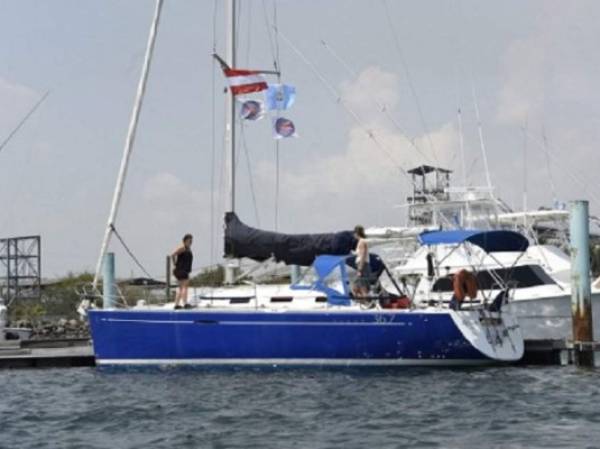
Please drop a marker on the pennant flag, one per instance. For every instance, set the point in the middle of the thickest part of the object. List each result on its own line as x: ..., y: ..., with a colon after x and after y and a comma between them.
x: 283, y: 128
x: 251, y: 109
x: 244, y: 81
x: 280, y: 96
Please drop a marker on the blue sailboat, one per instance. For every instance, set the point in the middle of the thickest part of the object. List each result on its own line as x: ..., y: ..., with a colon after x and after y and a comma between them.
x: 319, y: 322
x: 341, y: 331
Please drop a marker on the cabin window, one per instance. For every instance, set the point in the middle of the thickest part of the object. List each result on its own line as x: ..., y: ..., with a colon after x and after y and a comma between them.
x: 282, y: 299
x: 523, y: 276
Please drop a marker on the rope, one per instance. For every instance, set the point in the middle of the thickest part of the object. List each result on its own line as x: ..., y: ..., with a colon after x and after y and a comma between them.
x: 137, y: 262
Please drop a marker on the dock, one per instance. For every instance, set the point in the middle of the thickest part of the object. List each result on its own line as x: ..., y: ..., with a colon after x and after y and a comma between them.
x: 46, y: 353
x: 556, y: 352
x: 70, y: 353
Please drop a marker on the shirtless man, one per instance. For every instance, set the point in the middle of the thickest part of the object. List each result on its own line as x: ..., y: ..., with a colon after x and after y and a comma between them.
x: 363, y: 268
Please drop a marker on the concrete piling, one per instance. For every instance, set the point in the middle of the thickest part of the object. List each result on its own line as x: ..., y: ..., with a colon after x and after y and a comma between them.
x: 294, y: 273
x: 581, y: 295
x: 109, y: 290
x: 168, y: 279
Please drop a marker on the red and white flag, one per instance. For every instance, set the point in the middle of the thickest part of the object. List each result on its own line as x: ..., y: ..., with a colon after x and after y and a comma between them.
x: 244, y: 81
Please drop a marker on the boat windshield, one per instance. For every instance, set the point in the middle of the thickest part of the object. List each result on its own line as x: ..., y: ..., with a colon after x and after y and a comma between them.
x: 334, y: 280
x: 522, y: 276
x: 480, y: 214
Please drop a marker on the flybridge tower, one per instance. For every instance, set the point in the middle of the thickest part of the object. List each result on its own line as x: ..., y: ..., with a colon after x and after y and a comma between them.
x: 430, y: 184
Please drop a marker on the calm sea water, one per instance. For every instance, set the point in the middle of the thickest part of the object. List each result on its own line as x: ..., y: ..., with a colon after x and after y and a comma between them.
x: 476, y: 408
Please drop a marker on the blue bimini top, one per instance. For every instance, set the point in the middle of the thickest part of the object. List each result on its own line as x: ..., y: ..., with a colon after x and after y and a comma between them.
x: 489, y: 241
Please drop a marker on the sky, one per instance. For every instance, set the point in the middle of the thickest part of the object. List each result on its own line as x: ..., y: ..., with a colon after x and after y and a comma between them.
x: 378, y: 98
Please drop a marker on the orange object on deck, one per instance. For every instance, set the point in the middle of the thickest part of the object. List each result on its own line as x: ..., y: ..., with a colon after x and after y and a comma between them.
x: 464, y: 284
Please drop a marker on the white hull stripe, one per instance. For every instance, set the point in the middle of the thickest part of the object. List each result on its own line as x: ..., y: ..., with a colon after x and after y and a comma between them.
x: 260, y: 323
x: 298, y: 362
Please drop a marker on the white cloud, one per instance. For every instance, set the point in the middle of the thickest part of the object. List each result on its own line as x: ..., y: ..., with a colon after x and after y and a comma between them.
x: 372, y: 87
x: 551, y: 81
x: 551, y: 64
x: 365, y: 179
x: 172, y: 202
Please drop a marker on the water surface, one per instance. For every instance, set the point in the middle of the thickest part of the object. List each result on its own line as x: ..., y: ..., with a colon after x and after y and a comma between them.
x: 549, y: 407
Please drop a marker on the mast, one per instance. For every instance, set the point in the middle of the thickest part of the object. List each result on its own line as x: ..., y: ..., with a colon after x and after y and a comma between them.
x: 230, y: 59
x: 135, y: 115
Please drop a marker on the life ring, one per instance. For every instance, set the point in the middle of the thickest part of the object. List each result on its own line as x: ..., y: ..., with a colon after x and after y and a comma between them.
x: 464, y: 284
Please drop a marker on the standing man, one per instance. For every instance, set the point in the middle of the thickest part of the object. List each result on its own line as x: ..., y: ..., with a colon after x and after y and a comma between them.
x: 182, y: 259
x: 363, y: 280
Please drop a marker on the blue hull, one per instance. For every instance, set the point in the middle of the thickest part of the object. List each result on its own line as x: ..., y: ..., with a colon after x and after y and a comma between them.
x: 297, y: 338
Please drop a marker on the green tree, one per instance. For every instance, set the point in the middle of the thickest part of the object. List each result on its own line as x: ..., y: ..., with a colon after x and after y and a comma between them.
x: 210, y: 277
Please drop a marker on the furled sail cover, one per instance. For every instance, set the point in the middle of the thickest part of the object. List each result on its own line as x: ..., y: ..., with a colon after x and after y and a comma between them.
x: 297, y: 249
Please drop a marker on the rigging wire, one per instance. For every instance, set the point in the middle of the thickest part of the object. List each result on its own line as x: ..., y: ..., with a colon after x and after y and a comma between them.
x: 128, y: 250
x: 457, y: 75
x: 275, y: 38
x: 342, y: 102
x: 548, y: 167
x: 338, y: 98
x: 213, y: 140
x: 276, y: 185
x: 461, y: 136
x: 277, y: 64
x: 268, y: 27
x: 481, y: 141
x: 274, y: 46
x: 564, y: 166
x: 23, y: 120
x: 249, y: 34
x: 461, y: 143
x: 460, y: 19
x: 382, y: 107
x: 238, y: 22
x: 250, y: 176
x: 411, y: 85
x: 524, y: 129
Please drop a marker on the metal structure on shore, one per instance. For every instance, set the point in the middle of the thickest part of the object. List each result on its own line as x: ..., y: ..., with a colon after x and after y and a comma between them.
x: 20, y: 268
